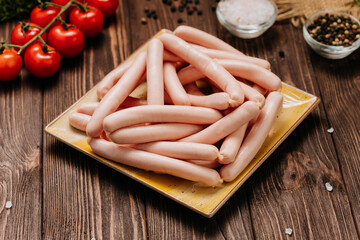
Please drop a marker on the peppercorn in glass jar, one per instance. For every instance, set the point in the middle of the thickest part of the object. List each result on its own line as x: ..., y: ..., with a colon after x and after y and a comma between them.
x: 332, y: 34
x: 246, y: 19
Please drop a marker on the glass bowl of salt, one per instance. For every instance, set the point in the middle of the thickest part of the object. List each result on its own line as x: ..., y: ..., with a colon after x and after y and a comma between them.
x: 246, y: 19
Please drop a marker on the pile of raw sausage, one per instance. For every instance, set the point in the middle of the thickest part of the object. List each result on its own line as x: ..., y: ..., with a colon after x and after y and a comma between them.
x: 179, y: 130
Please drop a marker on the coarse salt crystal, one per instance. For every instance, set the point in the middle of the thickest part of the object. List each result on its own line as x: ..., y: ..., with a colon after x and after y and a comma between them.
x: 328, y: 186
x: 8, y: 204
x: 288, y: 231
x: 245, y: 12
x: 330, y: 130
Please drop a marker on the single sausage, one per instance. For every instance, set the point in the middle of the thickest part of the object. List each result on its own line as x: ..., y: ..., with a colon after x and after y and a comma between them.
x: 231, y: 145
x: 79, y: 120
x: 170, y: 57
x: 154, y: 162
x: 160, y: 113
x: 87, y: 108
x: 218, y: 101
x: 181, y: 150
x: 153, y: 132
x: 154, y: 72
x: 248, y: 71
x: 173, y: 86
x: 111, y: 78
x: 202, y: 38
x: 117, y: 95
x: 261, y: 90
x: 226, y: 125
x: 253, y: 95
x: 206, y: 66
x: 255, y: 137
x: 219, y: 54
x: 192, y: 88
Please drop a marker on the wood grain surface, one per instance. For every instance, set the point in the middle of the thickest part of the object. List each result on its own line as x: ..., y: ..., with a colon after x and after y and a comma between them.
x: 59, y: 193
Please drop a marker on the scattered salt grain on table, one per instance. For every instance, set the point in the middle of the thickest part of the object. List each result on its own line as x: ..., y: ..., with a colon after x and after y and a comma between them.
x: 330, y: 130
x: 288, y: 231
x: 8, y: 204
x: 328, y: 186
x: 246, y: 12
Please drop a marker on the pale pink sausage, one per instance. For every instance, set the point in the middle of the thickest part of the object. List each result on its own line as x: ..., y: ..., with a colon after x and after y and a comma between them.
x: 226, y: 125
x: 154, y: 72
x: 219, y: 54
x: 253, y: 73
x: 154, y: 162
x: 181, y: 150
x: 87, y: 108
x: 79, y: 120
x: 205, y: 65
x: 255, y: 137
x: 202, y: 38
x: 111, y: 78
x: 168, y: 99
x: 160, y: 113
x: 173, y: 86
x: 154, y: 132
x: 231, y: 145
x: 218, y: 101
x: 207, y: 164
x: 117, y: 95
x: 249, y: 71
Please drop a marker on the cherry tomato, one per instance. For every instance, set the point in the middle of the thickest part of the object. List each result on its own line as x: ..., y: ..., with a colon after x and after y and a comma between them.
x: 68, y: 41
x: 63, y: 3
x: 40, y: 63
x: 20, y: 37
x: 107, y: 7
x: 10, y: 64
x: 89, y: 20
x: 44, y: 16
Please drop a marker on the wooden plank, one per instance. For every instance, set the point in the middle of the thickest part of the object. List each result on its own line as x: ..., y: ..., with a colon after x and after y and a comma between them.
x: 288, y: 191
x: 83, y: 199
x: 340, y: 84
x: 20, y: 154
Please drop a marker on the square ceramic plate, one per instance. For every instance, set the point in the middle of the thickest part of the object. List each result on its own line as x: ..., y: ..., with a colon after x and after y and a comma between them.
x: 204, y: 200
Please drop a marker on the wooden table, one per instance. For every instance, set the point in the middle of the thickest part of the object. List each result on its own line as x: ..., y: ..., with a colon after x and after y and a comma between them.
x: 59, y: 193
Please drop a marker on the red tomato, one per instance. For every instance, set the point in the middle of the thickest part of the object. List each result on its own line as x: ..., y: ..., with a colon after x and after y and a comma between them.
x: 69, y: 42
x: 107, y: 7
x: 90, y: 22
x: 10, y: 64
x: 63, y: 3
x: 20, y: 37
x: 44, y: 16
x: 42, y: 64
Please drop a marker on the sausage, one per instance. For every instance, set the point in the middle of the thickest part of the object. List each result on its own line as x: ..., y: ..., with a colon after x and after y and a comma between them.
x: 173, y: 86
x: 79, y: 120
x: 181, y: 150
x: 261, y: 90
x: 154, y: 162
x: 154, y: 72
x: 206, y: 66
x: 154, y: 132
x: 226, y: 125
x: 202, y: 38
x: 219, y: 54
x: 249, y: 71
x: 160, y: 113
x: 255, y: 137
x: 218, y: 101
x: 87, y: 108
x: 231, y: 145
x: 117, y: 95
x: 111, y: 78
x: 253, y: 73
x: 253, y: 95
x: 133, y: 102
x: 168, y: 56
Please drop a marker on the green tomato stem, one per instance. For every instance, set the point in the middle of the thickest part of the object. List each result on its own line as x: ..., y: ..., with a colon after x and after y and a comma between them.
x: 63, y: 9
